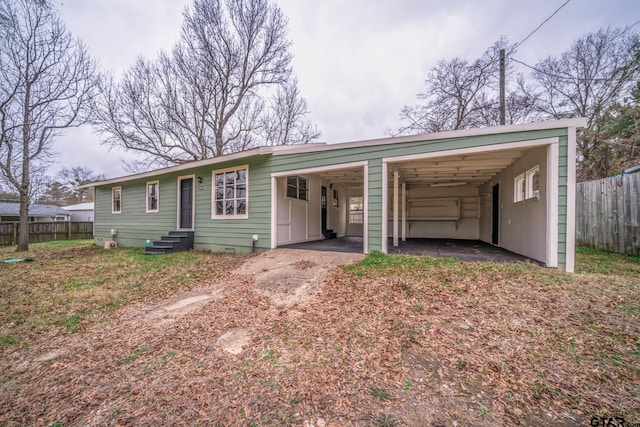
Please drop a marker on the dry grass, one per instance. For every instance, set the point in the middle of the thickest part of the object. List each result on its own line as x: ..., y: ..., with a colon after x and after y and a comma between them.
x: 389, y: 341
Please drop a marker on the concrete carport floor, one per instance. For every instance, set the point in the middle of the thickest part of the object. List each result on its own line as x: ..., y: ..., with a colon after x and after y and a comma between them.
x: 464, y: 250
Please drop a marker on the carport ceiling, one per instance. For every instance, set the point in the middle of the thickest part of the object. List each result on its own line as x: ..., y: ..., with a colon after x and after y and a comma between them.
x: 349, y: 177
x: 474, y: 169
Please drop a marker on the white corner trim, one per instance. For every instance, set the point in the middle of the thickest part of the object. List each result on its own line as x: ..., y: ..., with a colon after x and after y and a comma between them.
x: 552, y: 205
x: 365, y: 210
x: 274, y: 212
x: 385, y: 214
x: 571, y: 201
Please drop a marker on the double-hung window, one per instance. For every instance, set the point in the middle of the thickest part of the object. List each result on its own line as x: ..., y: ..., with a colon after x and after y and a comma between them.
x: 153, y: 188
x: 230, y: 193
x: 116, y: 200
x: 356, y: 210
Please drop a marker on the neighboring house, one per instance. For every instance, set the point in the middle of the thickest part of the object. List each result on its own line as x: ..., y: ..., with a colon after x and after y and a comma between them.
x: 10, y: 211
x: 513, y: 186
x: 81, y: 212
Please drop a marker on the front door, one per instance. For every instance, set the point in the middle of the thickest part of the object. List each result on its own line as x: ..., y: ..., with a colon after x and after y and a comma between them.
x: 495, y: 214
x: 185, y: 210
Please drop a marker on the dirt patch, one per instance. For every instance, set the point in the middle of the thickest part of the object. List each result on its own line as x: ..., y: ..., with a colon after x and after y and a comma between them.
x: 234, y: 340
x: 184, y: 304
x: 293, y: 276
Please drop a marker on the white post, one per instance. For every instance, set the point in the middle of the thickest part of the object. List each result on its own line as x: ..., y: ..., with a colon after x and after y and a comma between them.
x: 396, y: 177
x: 404, y: 211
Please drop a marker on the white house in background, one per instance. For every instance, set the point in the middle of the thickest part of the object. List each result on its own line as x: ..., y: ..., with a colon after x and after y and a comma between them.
x: 81, y: 212
x: 10, y: 211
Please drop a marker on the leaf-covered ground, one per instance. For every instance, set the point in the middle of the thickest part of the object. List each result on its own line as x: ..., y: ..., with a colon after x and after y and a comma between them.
x: 388, y: 341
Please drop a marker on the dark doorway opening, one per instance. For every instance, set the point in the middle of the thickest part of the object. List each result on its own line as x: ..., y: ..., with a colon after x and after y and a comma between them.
x: 323, y: 203
x: 186, y: 204
x: 495, y: 215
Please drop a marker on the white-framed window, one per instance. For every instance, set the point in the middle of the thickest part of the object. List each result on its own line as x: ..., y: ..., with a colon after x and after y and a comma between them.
x: 230, y: 193
x: 518, y: 188
x: 532, y: 178
x: 356, y: 210
x: 116, y: 200
x: 60, y: 218
x: 153, y: 196
x: 298, y: 188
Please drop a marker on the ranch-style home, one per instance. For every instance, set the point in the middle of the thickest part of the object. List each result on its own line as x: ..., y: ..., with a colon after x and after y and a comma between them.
x: 510, y: 186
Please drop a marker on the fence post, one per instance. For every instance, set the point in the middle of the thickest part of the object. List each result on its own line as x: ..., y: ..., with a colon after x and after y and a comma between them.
x: 69, y: 225
x: 15, y: 233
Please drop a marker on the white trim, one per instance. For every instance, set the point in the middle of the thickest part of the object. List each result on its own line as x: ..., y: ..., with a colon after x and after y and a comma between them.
x: 552, y: 205
x: 365, y: 207
x: 463, y: 133
x: 571, y: 200
x: 385, y: 185
x: 274, y: 212
x: 146, y: 196
x: 193, y: 203
x: 472, y: 150
x: 113, y: 189
x: 309, y: 148
x: 213, y: 194
x: 396, y: 206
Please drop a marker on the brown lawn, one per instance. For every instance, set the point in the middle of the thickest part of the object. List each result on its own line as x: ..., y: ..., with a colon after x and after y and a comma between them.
x: 388, y: 341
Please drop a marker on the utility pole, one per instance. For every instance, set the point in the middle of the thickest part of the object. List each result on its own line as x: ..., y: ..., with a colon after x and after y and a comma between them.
x: 502, y: 102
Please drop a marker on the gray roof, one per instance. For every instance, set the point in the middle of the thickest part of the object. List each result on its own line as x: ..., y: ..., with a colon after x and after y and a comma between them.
x: 80, y: 207
x: 13, y: 209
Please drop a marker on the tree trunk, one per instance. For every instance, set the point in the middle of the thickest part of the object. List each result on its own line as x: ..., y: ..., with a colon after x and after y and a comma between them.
x: 23, y: 235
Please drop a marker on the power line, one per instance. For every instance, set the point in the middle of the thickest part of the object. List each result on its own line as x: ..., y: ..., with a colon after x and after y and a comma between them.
x: 565, y: 78
x: 539, y: 26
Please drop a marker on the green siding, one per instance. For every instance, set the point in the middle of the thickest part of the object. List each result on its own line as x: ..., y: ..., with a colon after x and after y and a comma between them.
x: 135, y: 226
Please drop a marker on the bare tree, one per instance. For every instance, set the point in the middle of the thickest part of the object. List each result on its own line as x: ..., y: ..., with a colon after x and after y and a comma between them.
x: 463, y: 93
x: 286, y: 121
x: 46, y: 80
x: 206, y: 97
x: 587, y: 80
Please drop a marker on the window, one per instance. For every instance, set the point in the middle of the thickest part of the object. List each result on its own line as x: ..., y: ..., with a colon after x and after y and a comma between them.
x: 153, y: 189
x: 60, y: 218
x: 518, y: 188
x: 356, y: 210
x: 116, y: 200
x: 297, y: 187
x: 527, y: 185
x: 230, y: 193
x: 335, y: 198
x: 533, y: 182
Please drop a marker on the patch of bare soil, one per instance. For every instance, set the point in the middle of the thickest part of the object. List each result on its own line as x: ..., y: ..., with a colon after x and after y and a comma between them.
x: 292, y: 276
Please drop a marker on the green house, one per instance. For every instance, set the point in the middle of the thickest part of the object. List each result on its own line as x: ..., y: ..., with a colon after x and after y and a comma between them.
x: 511, y: 186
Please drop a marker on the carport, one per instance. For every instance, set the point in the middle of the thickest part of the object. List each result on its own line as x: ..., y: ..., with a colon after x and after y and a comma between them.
x: 503, y: 195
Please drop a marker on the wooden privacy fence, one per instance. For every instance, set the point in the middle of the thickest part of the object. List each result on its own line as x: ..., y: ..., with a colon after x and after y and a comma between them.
x: 607, y: 214
x: 46, y: 231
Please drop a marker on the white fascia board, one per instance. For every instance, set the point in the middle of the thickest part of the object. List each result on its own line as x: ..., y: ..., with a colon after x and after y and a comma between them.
x: 472, y: 150
x: 260, y: 151
x: 462, y: 133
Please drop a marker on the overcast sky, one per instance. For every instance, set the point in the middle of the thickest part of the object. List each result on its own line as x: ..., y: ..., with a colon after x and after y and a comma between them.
x: 358, y: 62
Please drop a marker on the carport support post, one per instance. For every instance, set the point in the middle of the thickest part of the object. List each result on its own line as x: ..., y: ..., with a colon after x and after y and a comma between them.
x: 396, y: 177
x: 404, y: 211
